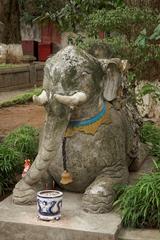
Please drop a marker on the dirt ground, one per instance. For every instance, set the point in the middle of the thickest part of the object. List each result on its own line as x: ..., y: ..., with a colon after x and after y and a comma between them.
x: 16, y: 116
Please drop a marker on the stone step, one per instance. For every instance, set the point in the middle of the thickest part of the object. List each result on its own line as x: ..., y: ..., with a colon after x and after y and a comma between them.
x: 139, y: 234
x: 21, y: 223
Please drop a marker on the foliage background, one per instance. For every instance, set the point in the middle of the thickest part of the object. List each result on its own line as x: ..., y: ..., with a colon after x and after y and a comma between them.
x: 19, y: 145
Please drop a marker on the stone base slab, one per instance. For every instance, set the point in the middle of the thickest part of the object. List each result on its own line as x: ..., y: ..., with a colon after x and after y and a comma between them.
x: 139, y: 234
x: 21, y: 222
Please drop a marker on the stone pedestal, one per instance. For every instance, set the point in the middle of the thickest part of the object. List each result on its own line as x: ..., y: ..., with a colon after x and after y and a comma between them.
x: 21, y: 223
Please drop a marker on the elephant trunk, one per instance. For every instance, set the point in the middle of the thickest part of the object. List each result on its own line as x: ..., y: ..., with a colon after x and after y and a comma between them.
x: 52, y: 137
x: 53, y: 134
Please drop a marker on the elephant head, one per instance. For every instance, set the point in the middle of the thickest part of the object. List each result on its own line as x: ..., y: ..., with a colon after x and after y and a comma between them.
x: 75, y: 86
x: 73, y: 78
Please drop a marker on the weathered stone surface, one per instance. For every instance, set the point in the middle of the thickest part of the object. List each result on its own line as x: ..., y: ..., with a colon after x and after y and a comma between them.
x: 10, y: 53
x: 142, y: 154
x: 14, y: 53
x: 149, y: 106
x: 113, y: 79
x: 146, y: 167
x: 21, y: 223
x: 98, y: 159
x: 139, y: 234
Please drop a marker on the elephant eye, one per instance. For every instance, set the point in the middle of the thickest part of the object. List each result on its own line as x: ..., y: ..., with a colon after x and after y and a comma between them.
x: 72, y: 92
x: 85, y: 73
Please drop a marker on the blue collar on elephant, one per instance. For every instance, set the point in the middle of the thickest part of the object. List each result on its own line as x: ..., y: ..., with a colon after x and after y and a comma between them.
x: 90, y: 125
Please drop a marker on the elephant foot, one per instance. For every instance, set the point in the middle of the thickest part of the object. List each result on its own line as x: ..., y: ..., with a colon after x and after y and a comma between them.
x: 98, y: 199
x: 100, y: 195
x: 24, y: 193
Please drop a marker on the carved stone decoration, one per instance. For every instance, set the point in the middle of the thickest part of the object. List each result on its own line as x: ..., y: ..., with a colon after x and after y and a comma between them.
x: 84, y: 133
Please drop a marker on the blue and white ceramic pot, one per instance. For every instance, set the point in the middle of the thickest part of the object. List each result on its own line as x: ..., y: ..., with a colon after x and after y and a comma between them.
x: 49, y: 204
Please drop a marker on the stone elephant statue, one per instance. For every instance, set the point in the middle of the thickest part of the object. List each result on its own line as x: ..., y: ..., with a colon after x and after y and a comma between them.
x: 86, y: 140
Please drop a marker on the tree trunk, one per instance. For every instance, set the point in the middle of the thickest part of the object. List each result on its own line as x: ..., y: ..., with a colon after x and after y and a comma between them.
x: 10, y: 17
x: 153, y: 4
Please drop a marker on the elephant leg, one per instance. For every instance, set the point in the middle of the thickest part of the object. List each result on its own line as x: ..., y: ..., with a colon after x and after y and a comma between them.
x: 24, y: 193
x: 100, y: 195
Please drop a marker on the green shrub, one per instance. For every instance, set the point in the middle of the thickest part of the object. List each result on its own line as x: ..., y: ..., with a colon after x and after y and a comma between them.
x: 123, y: 20
x: 73, y: 15
x: 134, y: 33
x: 151, y: 134
x: 24, y: 140
x: 9, y: 158
x: 140, y: 203
x: 11, y: 162
x: 19, y: 145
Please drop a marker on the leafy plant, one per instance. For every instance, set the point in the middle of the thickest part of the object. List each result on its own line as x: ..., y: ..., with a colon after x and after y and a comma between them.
x: 153, y: 4
x: 133, y: 33
x: 9, y: 158
x: 126, y: 21
x: 150, y: 89
x: 10, y: 162
x: 144, y: 60
x: 142, y: 38
x: 20, y: 144
x: 32, y: 9
x: 24, y: 140
x: 73, y: 16
x: 156, y: 33
x: 140, y: 203
x: 151, y: 134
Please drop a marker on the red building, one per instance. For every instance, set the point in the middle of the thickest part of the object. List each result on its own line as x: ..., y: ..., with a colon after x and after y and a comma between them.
x: 40, y: 40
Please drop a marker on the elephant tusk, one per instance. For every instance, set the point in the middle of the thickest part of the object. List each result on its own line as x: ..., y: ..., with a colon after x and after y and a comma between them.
x: 41, y: 99
x: 73, y: 100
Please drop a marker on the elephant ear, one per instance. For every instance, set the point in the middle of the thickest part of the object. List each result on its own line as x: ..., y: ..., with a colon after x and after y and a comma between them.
x: 112, y: 78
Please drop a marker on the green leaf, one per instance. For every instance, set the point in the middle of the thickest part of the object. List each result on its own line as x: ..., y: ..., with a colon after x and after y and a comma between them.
x: 156, y: 33
x: 142, y: 38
